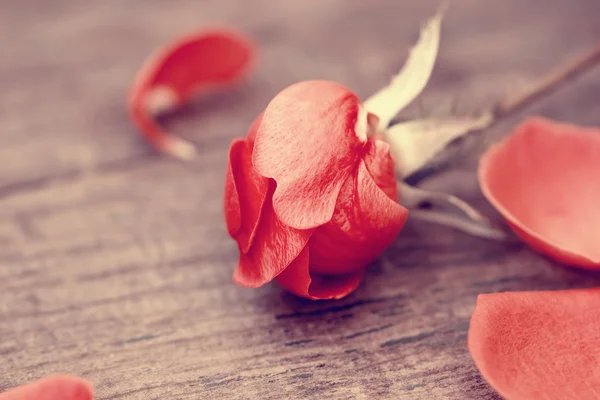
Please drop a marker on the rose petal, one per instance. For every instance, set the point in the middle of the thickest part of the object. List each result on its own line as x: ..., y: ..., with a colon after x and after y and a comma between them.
x: 539, y: 345
x: 366, y: 221
x: 54, y: 387
x: 544, y: 179
x: 231, y: 200
x: 181, y: 70
x: 381, y: 167
x: 309, y: 142
x: 297, y: 279
x: 274, y: 247
x: 242, y: 182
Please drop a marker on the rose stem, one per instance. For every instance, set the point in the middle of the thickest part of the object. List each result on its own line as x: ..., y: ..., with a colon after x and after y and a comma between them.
x: 547, y: 84
x: 512, y: 104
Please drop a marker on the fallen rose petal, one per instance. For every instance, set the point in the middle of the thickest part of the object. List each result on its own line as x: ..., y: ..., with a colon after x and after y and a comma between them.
x: 539, y: 345
x: 274, y: 247
x: 243, y: 182
x: 544, y: 180
x: 309, y: 141
x: 297, y: 279
x: 180, y: 70
x: 54, y: 387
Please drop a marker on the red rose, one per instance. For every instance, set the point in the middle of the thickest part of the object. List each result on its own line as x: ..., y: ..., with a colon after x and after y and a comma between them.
x: 310, y: 194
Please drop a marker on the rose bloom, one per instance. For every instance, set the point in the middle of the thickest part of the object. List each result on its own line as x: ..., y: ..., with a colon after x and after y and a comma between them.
x: 310, y: 193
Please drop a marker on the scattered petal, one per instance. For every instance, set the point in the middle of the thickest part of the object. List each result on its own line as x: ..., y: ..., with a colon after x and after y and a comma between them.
x: 539, y: 345
x: 413, y: 77
x: 415, y: 143
x: 309, y: 144
x: 274, y: 247
x: 297, y: 279
x: 544, y: 180
x: 54, y: 387
x: 179, y: 71
x: 243, y: 182
x: 365, y: 222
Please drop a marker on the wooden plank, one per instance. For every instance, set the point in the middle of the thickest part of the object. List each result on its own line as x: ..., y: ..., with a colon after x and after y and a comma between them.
x: 65, y: 87
x: 115, y: 264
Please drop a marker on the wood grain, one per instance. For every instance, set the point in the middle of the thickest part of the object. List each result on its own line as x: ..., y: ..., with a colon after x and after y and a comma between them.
x: 114, y: 261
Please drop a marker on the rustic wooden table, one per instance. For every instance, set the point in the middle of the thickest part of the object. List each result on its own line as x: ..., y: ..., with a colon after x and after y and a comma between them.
x: 114, y: 261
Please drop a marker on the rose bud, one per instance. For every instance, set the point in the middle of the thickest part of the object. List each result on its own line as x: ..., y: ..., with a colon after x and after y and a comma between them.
x: 310, y: 194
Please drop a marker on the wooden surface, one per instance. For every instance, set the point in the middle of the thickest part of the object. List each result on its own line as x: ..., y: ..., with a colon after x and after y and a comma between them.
x: 115, y: 264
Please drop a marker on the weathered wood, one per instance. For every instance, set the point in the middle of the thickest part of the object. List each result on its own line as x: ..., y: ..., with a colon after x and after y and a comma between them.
x: 115, y: 264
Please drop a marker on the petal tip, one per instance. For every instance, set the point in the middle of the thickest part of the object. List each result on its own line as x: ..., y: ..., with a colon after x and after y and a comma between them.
x: 180, y: 148
x: 160, y: 100
x: 297, y: 280
x: 245, y: 280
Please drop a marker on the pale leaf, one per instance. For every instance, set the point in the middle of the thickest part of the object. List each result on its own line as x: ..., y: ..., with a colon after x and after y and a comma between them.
x: 413, y: 77
x: 415, y: 143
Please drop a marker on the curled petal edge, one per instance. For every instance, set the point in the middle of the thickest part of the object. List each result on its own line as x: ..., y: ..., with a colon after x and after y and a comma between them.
x: 273, y: 249
x: 297, y: 279
x: 537, y: 141
x: 173, y: 74
x: 245, y: 191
